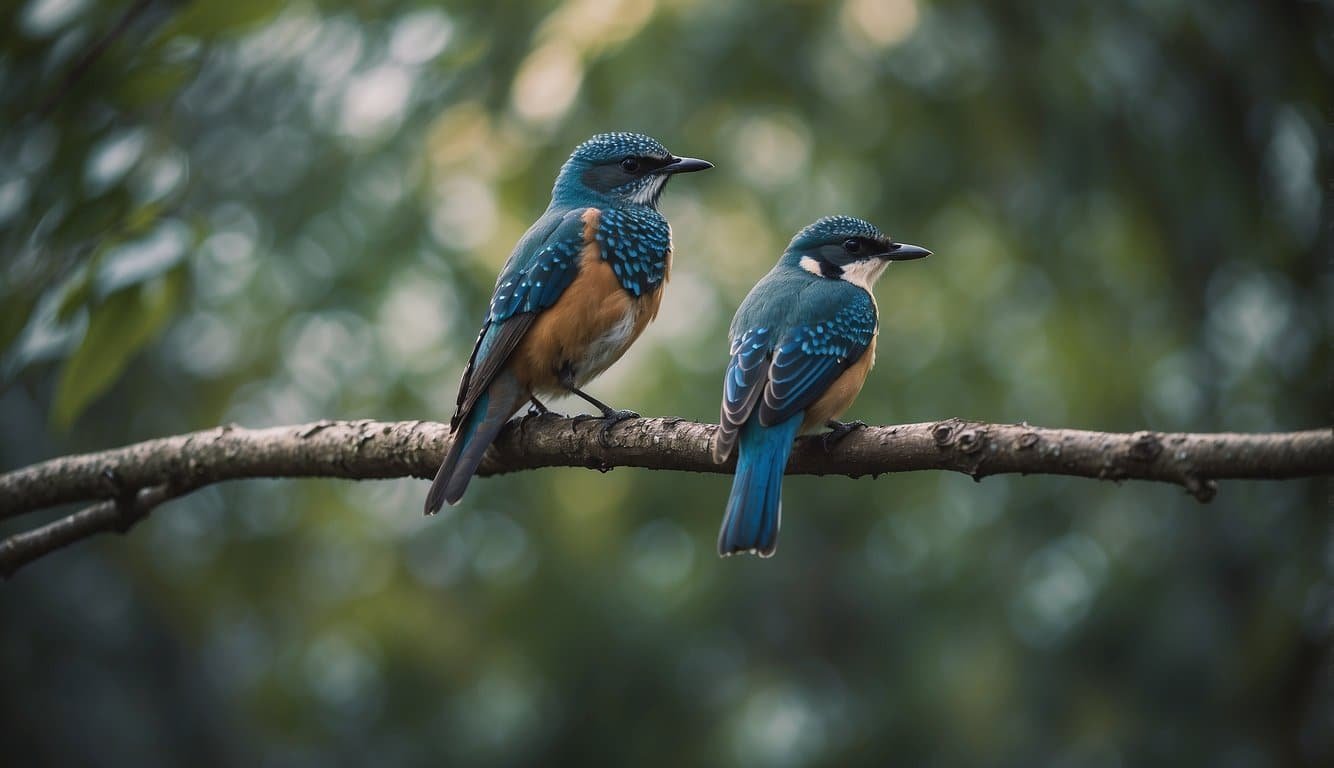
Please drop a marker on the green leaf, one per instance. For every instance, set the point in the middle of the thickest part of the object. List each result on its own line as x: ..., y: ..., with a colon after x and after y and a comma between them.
x: 76, y: 292
x: 151, y: 85
x: 117, y: 329
x: 206, y: 19
x: 142, y: 218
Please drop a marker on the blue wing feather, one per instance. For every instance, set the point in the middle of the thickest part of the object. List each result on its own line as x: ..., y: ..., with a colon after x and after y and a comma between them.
x: 813, y: 354
x: 743, y: 385
x: 534, y: 280
x: 542, y: 266
x: 788, y: 353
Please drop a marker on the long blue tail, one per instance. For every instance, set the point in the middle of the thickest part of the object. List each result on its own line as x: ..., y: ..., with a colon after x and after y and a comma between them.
x: 754, y: 510
x: 474, y: 435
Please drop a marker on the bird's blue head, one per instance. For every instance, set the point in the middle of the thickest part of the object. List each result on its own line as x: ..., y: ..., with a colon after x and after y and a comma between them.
x: 621, y: 169
x: 847, y: 248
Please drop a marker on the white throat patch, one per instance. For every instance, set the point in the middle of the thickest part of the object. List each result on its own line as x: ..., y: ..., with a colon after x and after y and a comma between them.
x: 863, y: 274
x: 649, y: 190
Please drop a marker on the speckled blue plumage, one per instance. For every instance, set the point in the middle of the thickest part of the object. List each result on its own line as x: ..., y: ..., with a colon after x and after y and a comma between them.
x: 536, y: 275
x: 811, y: 328
x: 834, y: 226
x: 605, y: 146
x: 850, y: 328
x: 636, y: 241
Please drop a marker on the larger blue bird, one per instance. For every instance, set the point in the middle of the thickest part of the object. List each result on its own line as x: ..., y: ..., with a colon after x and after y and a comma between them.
x: 802, y: 344
x: 581, y: 285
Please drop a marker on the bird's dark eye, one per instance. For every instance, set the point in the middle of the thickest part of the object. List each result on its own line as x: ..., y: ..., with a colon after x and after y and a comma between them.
x: 629, y: 165
x: 851, y: 245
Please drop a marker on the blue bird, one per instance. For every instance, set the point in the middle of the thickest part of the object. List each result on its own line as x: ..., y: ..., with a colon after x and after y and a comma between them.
x: 581, y: 285
x: 802, y: 344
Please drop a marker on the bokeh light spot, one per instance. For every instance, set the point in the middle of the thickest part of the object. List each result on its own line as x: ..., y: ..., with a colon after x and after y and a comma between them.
x: 547, y: 83
x: 880, y: 23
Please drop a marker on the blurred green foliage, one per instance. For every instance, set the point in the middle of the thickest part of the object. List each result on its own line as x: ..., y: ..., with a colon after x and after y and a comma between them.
x: 268, y: 212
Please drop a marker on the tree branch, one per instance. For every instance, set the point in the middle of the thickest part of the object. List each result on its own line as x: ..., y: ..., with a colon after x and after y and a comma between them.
x: 113, y: 515
x: 139, y: 477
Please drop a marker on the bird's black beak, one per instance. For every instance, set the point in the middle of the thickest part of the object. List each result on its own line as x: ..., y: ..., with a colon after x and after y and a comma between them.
x: 685, y: 165
x: 904, y: 252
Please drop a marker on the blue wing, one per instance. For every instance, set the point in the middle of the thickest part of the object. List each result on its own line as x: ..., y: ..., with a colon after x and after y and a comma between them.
x: 538, y: 272
x: 775, y: 379
x: 543, y: 265
x: 743, y: 385
x: 811, y: 357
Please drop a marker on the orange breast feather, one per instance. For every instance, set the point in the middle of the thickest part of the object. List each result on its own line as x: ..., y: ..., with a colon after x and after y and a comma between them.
x: 589, y: 327
x: 838, y: 398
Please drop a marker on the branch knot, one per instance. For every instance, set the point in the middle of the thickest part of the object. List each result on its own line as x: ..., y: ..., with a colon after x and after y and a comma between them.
x: 1146, y: 447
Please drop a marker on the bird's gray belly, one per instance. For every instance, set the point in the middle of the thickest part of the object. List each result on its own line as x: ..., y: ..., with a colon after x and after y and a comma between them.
x: 606, y: 349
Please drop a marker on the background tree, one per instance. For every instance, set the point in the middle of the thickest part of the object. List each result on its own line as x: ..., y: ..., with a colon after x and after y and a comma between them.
x: 269, y: 213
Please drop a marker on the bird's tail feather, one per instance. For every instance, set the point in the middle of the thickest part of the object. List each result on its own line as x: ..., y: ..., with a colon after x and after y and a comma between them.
x: 754, y: 510
x: 477, y: 430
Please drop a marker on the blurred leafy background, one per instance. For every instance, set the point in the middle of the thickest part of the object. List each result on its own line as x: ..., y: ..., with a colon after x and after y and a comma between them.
x: 264, y: 212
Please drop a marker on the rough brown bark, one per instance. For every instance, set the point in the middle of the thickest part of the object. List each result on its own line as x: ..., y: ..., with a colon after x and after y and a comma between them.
x: 128, y: 482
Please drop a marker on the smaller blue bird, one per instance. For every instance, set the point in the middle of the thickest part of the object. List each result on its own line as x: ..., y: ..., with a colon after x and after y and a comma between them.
x: 802, y: 344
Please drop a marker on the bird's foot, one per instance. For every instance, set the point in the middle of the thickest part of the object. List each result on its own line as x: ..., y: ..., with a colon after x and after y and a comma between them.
x: 614, y: 417
x: 839, y: 430
x: 609, y: 418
